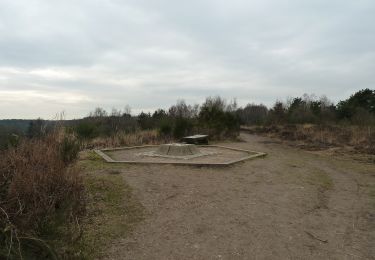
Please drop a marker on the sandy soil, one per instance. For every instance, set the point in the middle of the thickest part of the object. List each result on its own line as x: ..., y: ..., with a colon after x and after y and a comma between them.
x: 292, y: 204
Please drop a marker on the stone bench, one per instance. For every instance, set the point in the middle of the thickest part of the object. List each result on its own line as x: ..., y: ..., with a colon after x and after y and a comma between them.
x: 195, y: 139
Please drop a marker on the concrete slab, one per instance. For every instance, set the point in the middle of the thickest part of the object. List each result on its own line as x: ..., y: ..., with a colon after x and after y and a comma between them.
x: 220, y: 156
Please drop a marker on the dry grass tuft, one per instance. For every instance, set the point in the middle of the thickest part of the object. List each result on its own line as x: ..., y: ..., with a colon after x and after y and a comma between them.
x: 119, y: 139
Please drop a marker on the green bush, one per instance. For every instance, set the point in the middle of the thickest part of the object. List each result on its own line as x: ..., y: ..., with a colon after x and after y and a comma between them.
x: 364, y: 99
x: 86, y: 130
x: 217, y: 119
x: 182, y: 127
x: 9, y: 138
x: 69, y: 149
x: 165, y: 128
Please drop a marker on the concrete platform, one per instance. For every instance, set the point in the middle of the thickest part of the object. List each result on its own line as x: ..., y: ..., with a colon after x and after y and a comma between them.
x: 215, y: 156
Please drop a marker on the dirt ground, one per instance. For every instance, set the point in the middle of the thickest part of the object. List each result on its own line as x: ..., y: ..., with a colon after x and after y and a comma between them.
x: 292, y: 204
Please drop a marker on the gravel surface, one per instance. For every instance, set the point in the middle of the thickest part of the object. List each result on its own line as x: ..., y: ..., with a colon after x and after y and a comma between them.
x: 292, y: 204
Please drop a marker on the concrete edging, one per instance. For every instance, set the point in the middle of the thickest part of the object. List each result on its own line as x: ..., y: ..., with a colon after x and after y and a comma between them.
x: 108, y: 159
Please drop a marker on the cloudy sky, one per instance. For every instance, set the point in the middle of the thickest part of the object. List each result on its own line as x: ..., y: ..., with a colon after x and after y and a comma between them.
x: 74, y: 55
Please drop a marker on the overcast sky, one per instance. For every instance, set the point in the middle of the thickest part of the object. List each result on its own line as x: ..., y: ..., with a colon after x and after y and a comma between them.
x: 74, y: 55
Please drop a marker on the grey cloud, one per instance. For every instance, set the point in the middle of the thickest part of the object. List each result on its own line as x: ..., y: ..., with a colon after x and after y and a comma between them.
x: 150, y: 53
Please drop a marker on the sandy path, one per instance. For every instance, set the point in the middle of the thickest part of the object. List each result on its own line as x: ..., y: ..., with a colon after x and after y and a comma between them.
x: 272, y: 208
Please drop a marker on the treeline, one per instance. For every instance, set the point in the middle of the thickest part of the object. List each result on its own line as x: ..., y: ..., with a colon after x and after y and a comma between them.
x: 13, y: 130
x: 216, y: 117
x: 221, y: 119
x: 358, y: 109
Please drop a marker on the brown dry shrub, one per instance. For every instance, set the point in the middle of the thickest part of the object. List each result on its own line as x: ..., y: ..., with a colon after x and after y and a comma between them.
x: 371, y: 144
x: 39, y: 194
x: 362, y: 138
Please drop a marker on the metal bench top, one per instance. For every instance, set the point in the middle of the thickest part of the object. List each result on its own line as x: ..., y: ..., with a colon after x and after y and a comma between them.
x: 196, y: 136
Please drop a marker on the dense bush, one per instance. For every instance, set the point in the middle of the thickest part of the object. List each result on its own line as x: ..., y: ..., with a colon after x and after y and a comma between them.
x: 40, y: 195
x: 86, y: 130
x: 9, y: 137
x: 218, y: 119
x: 69, y: 149
x: 363, y: 99
x: 37, y: 128
x: 182, y: 127
x: 253, y: 114
x: 278, y: 114
x: 165, y: 128
x: 145, y: 121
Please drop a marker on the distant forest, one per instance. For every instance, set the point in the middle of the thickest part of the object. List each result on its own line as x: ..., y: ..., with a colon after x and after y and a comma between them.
x: 216, y: 117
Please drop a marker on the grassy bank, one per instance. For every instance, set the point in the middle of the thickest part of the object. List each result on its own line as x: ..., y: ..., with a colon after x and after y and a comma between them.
x: 112, y: 210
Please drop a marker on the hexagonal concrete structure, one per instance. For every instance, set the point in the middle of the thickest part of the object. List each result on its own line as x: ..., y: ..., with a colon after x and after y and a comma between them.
x: 177, y: 150
x: 203, y: 155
